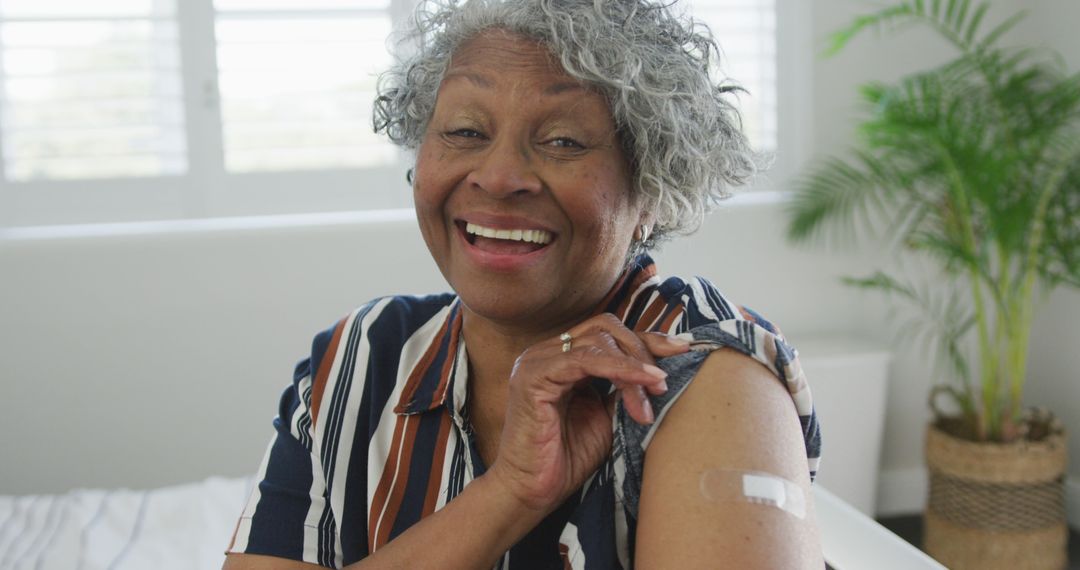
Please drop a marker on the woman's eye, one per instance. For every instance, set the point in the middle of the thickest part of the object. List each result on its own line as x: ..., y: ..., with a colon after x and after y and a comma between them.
x: 565, y: 142
x: 465, y: 133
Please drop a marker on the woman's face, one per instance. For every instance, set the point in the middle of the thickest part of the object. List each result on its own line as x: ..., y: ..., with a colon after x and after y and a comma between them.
x: 522, y: 190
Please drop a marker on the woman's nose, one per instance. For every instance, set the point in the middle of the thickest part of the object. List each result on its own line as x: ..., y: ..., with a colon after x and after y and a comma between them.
x: 506, y: 168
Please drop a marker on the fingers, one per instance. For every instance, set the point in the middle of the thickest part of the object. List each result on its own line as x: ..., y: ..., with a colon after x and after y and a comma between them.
x: 608, y: 332
x: 661, y: 345
x: 598, y: 358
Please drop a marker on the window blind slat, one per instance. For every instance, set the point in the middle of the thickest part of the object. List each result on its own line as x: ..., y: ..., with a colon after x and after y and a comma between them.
x: 76, y: 90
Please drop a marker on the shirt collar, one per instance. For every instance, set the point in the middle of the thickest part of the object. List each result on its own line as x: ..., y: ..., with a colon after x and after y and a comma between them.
x: 429, y: 381
x: 443, y: 370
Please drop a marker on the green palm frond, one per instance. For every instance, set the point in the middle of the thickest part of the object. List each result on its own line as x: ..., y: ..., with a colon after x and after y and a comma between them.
x: 835, y: 194
x: 955, y: 20
x: 974, y: 164
x: 940, y: 322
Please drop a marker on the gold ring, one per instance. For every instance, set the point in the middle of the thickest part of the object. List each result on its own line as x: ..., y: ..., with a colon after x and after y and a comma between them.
x: 567, y: 341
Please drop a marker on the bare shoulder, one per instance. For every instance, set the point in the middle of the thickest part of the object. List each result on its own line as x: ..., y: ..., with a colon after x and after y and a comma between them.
x: 734, y: 416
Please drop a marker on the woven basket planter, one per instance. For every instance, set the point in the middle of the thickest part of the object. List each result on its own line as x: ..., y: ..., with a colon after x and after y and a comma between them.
x: 996, y: 505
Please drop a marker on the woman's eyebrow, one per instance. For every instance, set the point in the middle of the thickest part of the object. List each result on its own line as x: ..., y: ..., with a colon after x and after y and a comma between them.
x: 563, y: 87
x: 474, y: 78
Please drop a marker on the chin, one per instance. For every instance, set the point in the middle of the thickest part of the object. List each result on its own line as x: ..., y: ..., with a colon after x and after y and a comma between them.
x: 512, y: 309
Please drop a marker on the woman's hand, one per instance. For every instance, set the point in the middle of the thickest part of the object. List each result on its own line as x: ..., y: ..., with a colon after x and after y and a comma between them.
x: 557, y: 429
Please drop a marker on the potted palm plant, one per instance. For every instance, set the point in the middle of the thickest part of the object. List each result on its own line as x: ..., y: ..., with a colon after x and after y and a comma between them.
x: 974, y: 164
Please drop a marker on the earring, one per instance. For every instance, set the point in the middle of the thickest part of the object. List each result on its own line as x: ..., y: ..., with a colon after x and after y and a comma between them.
x: 642, y: 233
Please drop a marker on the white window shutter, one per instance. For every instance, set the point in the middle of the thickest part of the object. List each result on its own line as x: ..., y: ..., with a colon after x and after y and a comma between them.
x: 297, y: 81
x: 746, y: 33
x: 90, y: 90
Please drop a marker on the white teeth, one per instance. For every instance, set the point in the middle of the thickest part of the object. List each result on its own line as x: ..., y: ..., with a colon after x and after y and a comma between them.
x: 534, y: 236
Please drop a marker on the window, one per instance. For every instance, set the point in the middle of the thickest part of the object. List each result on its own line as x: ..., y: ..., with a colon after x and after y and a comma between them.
x: 296, y: 80
x: 91, y: 90
x: 125, y: 110
x: 746, y: 33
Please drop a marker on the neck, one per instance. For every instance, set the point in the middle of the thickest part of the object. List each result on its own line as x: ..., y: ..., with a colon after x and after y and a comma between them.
x: 493, y: 347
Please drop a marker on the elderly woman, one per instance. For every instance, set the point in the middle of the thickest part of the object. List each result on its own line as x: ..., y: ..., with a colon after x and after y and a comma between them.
x: 565, y: 407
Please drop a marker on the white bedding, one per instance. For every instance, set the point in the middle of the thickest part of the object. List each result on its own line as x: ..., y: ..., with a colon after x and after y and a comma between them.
x: 184, y: 527
x: 187, y: 527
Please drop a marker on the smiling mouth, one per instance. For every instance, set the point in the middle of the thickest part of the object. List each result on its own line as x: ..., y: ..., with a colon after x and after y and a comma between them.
x: 505, y: 241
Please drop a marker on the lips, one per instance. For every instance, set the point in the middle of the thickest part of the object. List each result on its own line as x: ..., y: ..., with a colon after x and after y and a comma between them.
x: 537, y: 236
x: 504, y: 244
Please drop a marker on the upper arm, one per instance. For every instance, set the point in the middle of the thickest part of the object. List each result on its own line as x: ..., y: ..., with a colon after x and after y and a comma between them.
x: 735, y: 415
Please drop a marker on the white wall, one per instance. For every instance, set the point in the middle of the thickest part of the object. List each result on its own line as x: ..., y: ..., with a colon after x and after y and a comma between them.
x: 202, y: 328
x: 172, y: 347
x: 1054, y: 370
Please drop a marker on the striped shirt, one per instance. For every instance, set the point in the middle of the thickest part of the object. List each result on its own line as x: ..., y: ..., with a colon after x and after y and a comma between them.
x: 374, y: 432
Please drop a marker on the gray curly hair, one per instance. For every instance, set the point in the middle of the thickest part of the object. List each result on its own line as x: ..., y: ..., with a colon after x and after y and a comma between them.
x: 681, y: 134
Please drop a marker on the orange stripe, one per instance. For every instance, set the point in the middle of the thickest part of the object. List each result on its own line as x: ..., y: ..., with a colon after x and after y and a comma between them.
x: 435, y: 479
x: 418, y: 371
x: 564, y: 552
x: 643, y: 276
x: 319, y: 384
x: 675, y: 313
x: 650, y: 314
x: 397, y: 493
x: 439, y: 395
x: 378, y: 502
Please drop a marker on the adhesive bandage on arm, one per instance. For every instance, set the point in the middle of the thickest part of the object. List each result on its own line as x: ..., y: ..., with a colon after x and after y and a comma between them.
x: 756, y: 487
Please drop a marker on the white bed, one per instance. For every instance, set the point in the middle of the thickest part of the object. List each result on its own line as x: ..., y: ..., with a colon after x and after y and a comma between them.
x: 183, y: 527
x: 187, y: 527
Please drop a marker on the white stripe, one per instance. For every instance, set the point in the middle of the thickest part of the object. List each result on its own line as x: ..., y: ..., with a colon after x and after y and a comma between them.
x: 575, y: 554
x: 312, y: 545
x: 303, y: 410
x: 645, y: 286
x: 331, y: 379
x: 702, y: 300
x: 349, y: 411
x: 461, y: 381
x: 397, y: 471
x: 379, y: 448
x: 243, y: 530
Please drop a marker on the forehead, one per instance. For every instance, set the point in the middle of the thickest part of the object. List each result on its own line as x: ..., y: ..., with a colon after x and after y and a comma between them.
x: 497, y: 52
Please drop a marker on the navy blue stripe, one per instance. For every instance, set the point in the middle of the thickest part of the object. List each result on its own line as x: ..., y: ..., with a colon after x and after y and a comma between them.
x: 423, y: 457
x: 342, y: 387
x: 389, y: 330
x: 278, y: 529
x: 716, y: 301
x: 633, y: 313
x: 326, y: 537
x: 457, y: 470
x: 303, y: 426
x: 429, y: 383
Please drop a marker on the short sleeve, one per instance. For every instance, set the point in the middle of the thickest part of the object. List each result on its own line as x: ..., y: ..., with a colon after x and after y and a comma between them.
x: 750, y: 337
x: 288, y: 514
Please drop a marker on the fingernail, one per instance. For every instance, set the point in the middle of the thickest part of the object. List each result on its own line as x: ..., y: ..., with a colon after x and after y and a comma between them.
x: 678, y: 340
x: 655, y: 372
x: 686, y: 337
